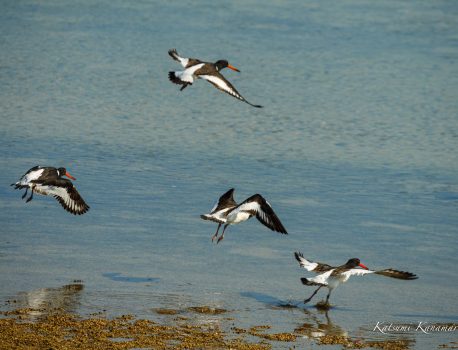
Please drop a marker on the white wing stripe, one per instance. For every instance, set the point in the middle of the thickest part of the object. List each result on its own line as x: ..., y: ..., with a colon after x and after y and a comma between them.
x: 221, y: 84
x: 308, y: 265
x: 355, y: 272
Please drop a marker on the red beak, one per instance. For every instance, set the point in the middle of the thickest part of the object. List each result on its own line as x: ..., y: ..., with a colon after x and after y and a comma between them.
x: 233, y: 68
x: 363, y: 266
x: 69, y: 176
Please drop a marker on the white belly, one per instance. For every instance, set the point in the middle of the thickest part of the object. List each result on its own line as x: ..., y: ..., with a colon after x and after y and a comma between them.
x: 237, y: 217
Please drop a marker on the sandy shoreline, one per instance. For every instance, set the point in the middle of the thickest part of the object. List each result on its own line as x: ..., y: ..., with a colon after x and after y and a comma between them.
x: 59, y: 330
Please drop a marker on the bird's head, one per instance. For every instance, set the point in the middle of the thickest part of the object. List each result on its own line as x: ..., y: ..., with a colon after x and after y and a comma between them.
x: 224, y: 64
x: 63, y: 172
x: 354, y: 263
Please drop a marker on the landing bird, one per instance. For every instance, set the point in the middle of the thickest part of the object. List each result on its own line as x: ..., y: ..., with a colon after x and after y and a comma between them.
x: 331, y: 276
x: 48, y: 181
x: 197, y: 69
x: 226, y: 211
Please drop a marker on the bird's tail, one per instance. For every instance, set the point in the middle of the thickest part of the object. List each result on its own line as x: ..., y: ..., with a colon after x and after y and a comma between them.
x: 18, y: 185
x: 309, y: 282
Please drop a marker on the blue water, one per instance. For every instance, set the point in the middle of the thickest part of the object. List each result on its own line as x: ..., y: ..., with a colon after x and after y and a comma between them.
x: 356, y: 150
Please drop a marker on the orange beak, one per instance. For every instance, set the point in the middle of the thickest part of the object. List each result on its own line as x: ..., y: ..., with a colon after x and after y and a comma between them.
x: 363, y: 266
x: 233, y: 68
x: 69, y: 176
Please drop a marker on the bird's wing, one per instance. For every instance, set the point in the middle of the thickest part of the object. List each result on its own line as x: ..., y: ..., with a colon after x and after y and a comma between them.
x: 185, y: 76
x: 403, y: 275
x: 222, y: 84
x: 225, y: 201
x: 66, y: 194
x: 258, y: 206
x: 174, y: 54
x: 354, y: 272
x: 303, y: 262
x: 311, y: 265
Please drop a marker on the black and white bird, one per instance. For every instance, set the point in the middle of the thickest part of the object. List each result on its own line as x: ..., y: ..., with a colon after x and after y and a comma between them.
x: 197, y: 69
x: 226, y: 211
x: 332, y: 276
x: 48, y: 181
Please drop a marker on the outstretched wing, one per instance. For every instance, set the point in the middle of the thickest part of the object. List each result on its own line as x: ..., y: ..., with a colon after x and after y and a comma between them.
x: 354, y: 272
x: 222, y: 84
x: 174, y: 54
x: 224, y: 204
x: 403, y: 275
x: 66, y: 194
x: 185, y: 62
x: 256, y: 205
x: 225, y: 201
x: 310, y: 265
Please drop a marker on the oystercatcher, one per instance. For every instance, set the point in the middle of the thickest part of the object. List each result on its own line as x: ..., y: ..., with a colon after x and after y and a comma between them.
x: 197, y: 69
x: 48, y: 181
x: 227, y: 211
x: 331, y: 276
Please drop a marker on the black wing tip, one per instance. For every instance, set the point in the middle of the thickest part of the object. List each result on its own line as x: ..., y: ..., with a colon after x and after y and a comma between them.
x: 85, y: 208
x: 403, y: 275
x: 173, y: 52
x: 305, y: 281
x: 173, y: 78
x: 298, y: 256
x: 408, y: 275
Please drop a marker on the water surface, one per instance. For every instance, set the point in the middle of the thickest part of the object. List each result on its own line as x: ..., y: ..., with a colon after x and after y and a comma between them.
x: 355, y: 150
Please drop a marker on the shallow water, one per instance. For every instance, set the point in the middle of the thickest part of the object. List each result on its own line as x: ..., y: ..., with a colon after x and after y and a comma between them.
x: 355, y: 150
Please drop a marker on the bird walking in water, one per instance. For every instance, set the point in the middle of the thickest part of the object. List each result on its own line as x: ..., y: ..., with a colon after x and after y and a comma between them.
x: 226, y: 211
x: 49, y: 181
x: 332, y: 276
x: 197, y: 69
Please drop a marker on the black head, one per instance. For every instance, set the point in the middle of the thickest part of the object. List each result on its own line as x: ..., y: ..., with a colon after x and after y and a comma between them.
x: 63, y: 172
x: 224, y: 64
x: 352, y: 263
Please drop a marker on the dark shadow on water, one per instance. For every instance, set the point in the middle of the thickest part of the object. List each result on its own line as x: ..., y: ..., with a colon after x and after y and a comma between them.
x: 271, y: 301
x: 285, y: 304
x: 117, y: 277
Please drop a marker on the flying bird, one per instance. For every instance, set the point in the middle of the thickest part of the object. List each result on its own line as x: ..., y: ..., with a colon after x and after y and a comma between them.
x: 332, y: 276
x: 197, y: 69
x: 49, y: 181
x: 226, y: 211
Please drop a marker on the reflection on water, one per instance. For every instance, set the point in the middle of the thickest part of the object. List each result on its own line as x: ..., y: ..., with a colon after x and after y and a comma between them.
x: 41, y: 302
x: 324, y: 331
x: 317, y: 326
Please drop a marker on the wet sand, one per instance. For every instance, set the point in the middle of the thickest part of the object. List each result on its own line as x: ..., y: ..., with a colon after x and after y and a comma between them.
x: 58, y: 329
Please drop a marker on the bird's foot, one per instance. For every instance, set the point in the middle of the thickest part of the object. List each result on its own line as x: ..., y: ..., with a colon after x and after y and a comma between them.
x: 214, y: 236
x: 220, y: 239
